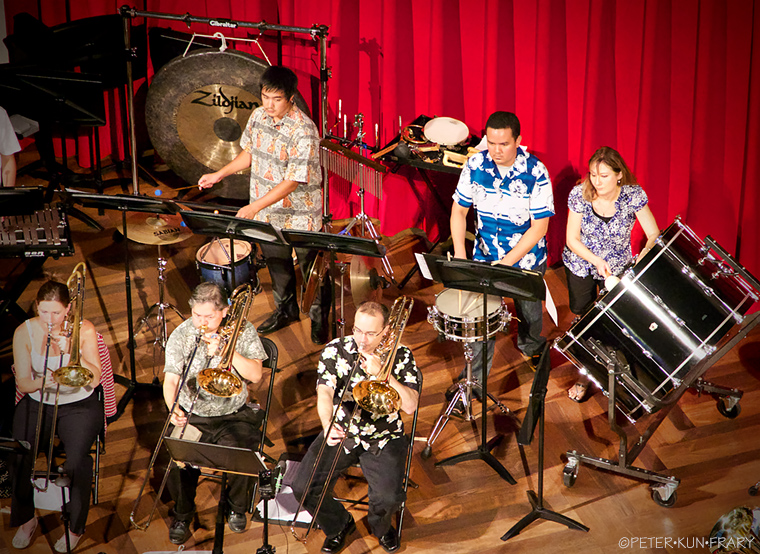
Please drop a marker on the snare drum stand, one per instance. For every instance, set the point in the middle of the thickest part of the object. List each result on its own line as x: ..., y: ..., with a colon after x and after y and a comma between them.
x: 464, y: 393
x: 160, y: 309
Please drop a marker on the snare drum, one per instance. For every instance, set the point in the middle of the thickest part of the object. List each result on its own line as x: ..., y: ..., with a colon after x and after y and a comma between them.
x: 464, y: 322
x: 666, y: 314
x: 213, y: 263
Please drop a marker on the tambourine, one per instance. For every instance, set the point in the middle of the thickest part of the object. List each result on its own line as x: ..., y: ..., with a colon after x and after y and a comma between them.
x: 446, y: 131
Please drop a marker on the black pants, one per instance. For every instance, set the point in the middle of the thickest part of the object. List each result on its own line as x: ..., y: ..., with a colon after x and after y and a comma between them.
x: 384, y: 473
x: 280, y: 264
x: 240, y: 429
x: 582, y: 291
x: 78, y: 425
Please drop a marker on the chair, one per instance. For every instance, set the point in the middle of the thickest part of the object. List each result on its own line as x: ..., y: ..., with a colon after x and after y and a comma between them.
x: 407, y: 481
x: 107, y: 395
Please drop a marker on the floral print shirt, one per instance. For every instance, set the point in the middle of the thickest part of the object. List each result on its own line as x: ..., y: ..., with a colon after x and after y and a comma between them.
x: 610, y: 240
x: 180, y: 347
x: 288, y: 149
x: 505, y: 206
x: 370, y: 431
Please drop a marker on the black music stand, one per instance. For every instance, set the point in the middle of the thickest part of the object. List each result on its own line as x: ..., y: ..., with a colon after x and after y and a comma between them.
x: 334, y: 244
x: 227, y: 459
x: 233, y: 228
x: 126, y: 203
x: 498, y: 280
x: 535, y: 415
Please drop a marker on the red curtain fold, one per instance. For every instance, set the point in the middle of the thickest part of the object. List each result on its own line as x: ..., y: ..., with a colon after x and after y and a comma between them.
x: 674, y: 85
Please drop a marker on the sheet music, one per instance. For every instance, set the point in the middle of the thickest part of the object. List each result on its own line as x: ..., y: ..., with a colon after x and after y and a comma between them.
x: 424, y: 269
x: 550, y: 307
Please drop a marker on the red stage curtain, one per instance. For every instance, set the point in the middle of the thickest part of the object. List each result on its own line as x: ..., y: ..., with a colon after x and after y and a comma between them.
x: 674, y: 85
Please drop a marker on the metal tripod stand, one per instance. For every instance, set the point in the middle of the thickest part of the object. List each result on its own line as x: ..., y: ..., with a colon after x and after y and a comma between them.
x: 159, y: 308
x: 464, y: 394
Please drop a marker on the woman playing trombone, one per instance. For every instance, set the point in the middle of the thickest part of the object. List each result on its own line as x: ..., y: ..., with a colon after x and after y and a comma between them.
x: 41, y: 346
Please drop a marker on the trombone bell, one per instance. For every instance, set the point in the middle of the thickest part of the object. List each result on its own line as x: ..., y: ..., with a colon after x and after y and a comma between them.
x: 377, y: 397
x: 73, y: 376
x: 219, y: 382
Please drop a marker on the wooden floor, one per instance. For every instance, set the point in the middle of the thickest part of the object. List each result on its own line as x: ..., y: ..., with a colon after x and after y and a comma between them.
x: 462, y: 508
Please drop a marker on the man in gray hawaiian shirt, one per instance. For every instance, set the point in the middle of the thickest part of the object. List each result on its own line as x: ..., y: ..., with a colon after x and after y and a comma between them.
x: 223, y: 421
x: 377, y: 442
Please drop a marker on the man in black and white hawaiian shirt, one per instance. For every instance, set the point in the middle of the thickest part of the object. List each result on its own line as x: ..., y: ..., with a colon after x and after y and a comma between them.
x: 378, y: 443
x: 225, y: 421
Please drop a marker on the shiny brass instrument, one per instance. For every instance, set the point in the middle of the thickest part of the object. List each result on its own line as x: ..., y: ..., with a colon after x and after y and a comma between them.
x: 72, y: 375
x: 221, y: 381
x: 377, y: 395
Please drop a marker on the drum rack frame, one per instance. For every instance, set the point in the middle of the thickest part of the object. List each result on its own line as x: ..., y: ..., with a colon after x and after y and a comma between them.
x: 663, y: 488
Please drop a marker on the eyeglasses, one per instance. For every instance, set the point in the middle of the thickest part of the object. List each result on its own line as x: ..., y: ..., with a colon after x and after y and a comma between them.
x: 358, y: 331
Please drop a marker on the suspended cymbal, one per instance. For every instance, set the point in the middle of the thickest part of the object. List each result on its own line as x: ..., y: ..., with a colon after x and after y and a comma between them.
x: 366, y: 283
x: 155, y: 228
x: 196, y: 110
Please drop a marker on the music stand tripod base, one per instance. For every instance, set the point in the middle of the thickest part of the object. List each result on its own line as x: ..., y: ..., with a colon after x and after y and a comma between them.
x: 538, y: 400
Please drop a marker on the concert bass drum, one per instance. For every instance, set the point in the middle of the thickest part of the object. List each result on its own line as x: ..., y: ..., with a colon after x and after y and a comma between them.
x: 667, y: 313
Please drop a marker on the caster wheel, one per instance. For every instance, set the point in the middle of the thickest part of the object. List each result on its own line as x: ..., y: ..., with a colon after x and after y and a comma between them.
x: 730, y: 413
x: 753, y: 490
x: 569, y: 476
x: 426, y: 452
x: 664, y: 503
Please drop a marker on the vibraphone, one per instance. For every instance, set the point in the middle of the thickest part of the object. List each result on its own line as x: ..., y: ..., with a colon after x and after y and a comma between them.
x: 37, y: 235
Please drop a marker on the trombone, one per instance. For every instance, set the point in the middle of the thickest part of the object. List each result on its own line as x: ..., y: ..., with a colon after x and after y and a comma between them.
x: 376, y: 396
x: 219, y: 381
x: 72, y: 375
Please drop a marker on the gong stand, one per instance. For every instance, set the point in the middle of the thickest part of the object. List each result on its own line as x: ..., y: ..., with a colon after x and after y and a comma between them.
x: 486, y: 279
x: 316, y: 32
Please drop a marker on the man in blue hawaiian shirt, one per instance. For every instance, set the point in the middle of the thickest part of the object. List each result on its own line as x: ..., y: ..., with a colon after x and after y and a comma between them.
x: 512, y: 195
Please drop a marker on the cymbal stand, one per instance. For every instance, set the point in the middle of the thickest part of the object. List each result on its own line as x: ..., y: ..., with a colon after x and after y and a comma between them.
x: 464, y: 393
x: 160, y: 309
x: 367, y: 228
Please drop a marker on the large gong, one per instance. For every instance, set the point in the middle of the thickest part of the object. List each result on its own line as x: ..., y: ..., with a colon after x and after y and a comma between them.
x: 196, y: 110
